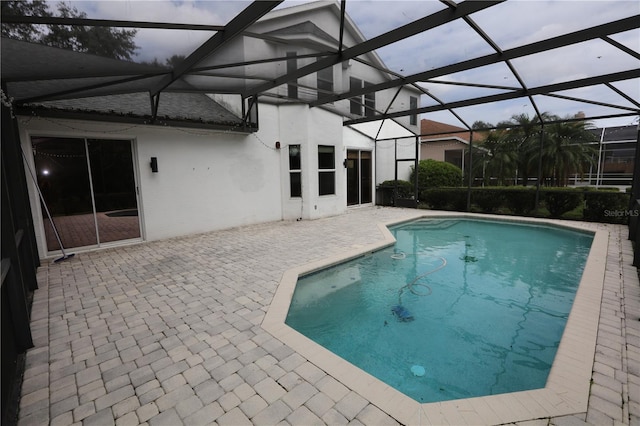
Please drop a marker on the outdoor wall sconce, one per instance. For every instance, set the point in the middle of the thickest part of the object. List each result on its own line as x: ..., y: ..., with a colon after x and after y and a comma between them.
x: 277, y: 144
x: 345, y: 163
x: 154, y: 164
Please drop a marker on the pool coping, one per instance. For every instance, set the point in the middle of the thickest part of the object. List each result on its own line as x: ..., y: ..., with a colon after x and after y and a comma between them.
x: 567, y: 388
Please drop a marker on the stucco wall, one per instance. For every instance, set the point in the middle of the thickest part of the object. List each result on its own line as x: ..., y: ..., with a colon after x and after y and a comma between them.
x: 206, y: 180
x: 209, y: 180
x: 436, y: 149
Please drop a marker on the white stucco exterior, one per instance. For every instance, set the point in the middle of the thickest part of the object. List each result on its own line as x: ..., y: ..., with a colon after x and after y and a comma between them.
x: 209, y: 180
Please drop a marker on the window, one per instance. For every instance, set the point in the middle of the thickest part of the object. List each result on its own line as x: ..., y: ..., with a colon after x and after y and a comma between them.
x: 413, y: 104
x: 325, y: 82
x: 326, y: 170
x: 292, y: 65
x: 361, y: 104
x: 295, y: 173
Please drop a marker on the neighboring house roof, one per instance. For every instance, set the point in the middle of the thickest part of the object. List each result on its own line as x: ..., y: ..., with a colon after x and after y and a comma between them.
x: 449, y: 138
x: 617, y: 133
x: 434, y: 130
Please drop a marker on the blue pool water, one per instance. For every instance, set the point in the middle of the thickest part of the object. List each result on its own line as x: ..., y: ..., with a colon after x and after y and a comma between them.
x: 457, y: 308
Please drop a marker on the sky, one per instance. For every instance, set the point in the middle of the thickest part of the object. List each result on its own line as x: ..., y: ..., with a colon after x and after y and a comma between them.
x: 509, y: 24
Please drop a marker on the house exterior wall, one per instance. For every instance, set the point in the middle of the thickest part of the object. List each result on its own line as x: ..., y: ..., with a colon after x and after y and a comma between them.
x: 210, y: 180
x: 205, y: 180
x: 436, y: 149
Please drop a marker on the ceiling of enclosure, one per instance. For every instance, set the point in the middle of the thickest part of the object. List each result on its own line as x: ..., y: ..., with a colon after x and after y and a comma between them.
x: 471, y: 61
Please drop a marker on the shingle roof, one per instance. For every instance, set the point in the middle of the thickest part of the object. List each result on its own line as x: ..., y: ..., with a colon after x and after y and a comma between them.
x: 186, y: 107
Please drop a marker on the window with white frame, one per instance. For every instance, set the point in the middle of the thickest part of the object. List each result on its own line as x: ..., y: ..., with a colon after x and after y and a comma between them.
x: 326, y: 170
x: 295, y: 172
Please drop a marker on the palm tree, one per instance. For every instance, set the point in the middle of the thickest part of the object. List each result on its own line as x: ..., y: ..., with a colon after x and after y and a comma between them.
x: 525, y: 133
x: 566, y: 150
x: 500, y: 157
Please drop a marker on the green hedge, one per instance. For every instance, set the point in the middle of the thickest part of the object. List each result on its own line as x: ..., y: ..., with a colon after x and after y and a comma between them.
x: 385, y: 191
x: 562, y: 200
x: 587, y: 204
x: 444, y: 198
x: 608, y: 207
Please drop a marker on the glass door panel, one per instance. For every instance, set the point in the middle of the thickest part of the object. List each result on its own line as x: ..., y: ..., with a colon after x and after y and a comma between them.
x: 353, y: 196
x: 114, y: 189
x: 63, y: 177
x: 365, y: 177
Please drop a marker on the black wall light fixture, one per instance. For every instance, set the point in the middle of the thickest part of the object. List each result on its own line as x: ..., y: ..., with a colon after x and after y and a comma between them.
x: 154, y: 164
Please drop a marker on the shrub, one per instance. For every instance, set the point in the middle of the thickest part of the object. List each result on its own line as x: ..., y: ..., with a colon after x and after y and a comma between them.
x: 445, y: 198
x: 560, y: 201
x: 385, y: 193
x: 521, y: 201
x: 405, y: 188
x: 606, y: 206
x: 488, y: 199
x: 437, y: 174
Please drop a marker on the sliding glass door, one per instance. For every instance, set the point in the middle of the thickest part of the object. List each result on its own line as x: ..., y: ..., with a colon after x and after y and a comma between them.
x: 359, y: 177
x: 89, y: 189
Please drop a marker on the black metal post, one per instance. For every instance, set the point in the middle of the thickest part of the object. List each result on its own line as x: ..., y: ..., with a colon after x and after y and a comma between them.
x: 635, y: 194
x: 470, y: 168
x: 415, y: 171
x: 539, y: 166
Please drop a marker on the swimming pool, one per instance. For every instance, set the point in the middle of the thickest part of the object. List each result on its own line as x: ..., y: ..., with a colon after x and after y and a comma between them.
x: 567, y: 387
x: 457, y: 308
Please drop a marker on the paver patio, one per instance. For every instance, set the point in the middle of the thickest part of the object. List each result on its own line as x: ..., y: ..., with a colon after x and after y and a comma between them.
x: 168, y: 332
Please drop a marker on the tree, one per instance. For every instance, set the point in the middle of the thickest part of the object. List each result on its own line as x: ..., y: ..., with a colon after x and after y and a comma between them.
x: 168, y: 63
x: 525, y: 140
x: 102, y: 41
x: 479, y: 124
x: 26, y: 32
x: 435, y: 174
x: 501, y: 158
x: 565, y: 150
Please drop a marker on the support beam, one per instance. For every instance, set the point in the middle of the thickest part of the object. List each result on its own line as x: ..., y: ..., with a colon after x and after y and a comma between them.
x: 598, y: 31
x: 86, y: 22
x: 540, y: 90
